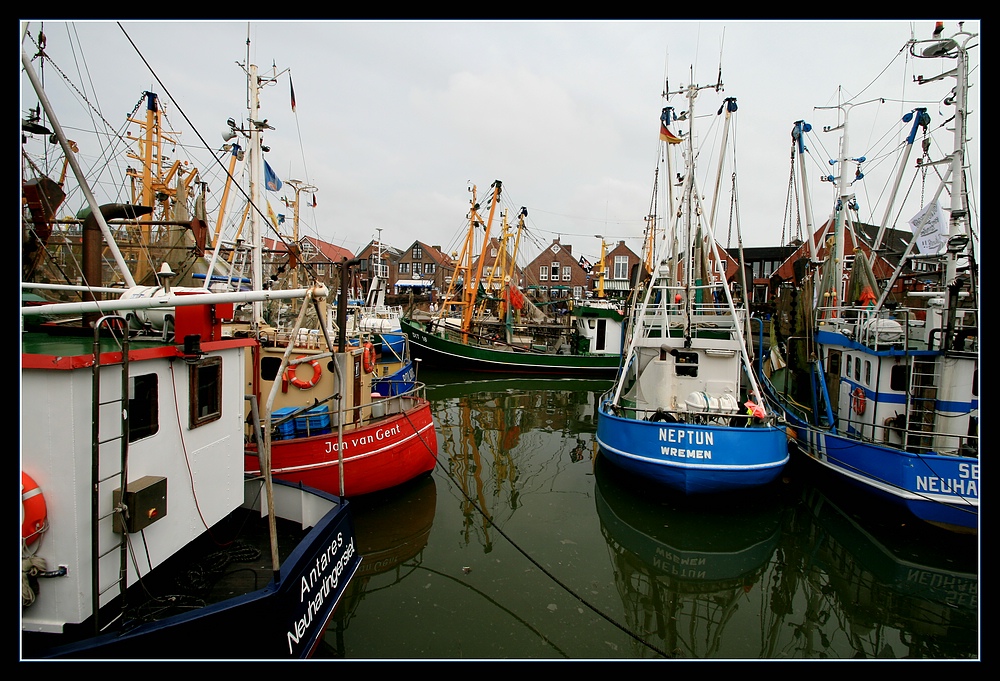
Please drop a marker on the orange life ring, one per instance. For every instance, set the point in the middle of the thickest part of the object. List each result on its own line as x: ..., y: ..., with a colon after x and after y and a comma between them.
x: 858, y: 400
x: 33, y: 512
x: 292, y: 377
x: 368, y: 357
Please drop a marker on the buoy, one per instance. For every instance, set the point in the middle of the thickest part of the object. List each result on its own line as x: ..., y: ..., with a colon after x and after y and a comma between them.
x: 368, y: 358
x: 292, y: 377
x: 858, y: 400
x: 33, y: 511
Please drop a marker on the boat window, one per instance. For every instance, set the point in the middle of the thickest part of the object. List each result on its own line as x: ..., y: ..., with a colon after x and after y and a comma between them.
x: 897, y: 378
x: 143, y: 407
x: 685, y: 363
x: 269, y: 368
x: 857, y: 370
x: 868, y: 372
x: 206, y: 391
x: 848, y: 374
x: 834, y: 368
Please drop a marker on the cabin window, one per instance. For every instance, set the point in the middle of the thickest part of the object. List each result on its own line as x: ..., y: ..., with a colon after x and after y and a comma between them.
x: 143, y: 407
x: 269, y: 368
x: 543, y: 273
x: 834, y: 364
x: 897, y: 378
x: 848, y: 373
x: 206, y: 391
x: 857, y: 370
x: 868, y: 372
x: 685, y: 363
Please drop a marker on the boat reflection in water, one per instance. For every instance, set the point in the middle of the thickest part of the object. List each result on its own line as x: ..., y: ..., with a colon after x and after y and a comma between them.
x: 505, y: 438
x: 898, y: 588
x: 684, y: 565
x: 391, y: 530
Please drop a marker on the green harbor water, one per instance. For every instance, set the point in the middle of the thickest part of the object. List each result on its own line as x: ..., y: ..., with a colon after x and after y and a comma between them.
x: 525, y: 544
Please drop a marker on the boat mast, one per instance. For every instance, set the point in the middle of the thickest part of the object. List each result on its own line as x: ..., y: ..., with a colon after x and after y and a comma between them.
x: 81, y: 178
x: 959, y: 232
x: 255, y: 161
x: 471, y: 287
x: 799, y: 131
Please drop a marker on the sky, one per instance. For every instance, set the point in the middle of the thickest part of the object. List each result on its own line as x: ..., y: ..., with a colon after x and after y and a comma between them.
x: 396, y: 120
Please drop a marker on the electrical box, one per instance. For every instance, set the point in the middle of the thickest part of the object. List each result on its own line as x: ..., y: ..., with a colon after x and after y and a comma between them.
x: 145, y: 502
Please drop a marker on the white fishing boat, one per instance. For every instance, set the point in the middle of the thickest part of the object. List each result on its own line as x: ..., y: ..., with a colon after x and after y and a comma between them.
x: 684, y: 409
x: 881, y: 384
x: 132, y: 473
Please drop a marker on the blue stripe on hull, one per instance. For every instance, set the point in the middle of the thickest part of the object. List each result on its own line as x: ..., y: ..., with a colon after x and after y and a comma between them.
x: 694, y: 459
x: 935, y: 488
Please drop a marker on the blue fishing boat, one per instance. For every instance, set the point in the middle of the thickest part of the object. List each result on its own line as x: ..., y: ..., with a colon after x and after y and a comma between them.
x: 880, y: 381
x: 683, y: 410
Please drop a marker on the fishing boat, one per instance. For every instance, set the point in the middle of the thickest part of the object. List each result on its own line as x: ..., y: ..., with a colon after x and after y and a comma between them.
x: 881, y: 385
x: 330, y: 421
x: 684, y: 408
x: 132, y: 476
x: 505, y: 332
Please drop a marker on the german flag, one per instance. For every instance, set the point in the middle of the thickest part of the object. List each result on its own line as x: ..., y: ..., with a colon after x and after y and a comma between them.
x: 667, y: 136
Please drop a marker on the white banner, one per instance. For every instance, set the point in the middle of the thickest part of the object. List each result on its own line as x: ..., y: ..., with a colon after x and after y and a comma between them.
x: 933, y: 235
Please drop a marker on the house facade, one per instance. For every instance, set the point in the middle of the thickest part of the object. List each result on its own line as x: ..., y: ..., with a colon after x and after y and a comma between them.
x: 422, y: 269
x: 556, y: 274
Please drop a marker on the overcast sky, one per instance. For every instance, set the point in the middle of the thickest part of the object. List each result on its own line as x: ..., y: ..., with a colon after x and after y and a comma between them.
x: 395, y: 119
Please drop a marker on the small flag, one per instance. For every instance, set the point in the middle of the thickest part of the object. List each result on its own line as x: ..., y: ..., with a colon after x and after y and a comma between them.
x: 270, y: 214
x: 271, y: 181
x: 667, y: 136
x: 314, y: 201
x: 291, y: 89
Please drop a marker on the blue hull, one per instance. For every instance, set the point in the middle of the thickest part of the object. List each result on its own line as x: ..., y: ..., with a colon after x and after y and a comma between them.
x: 396, y: 383
x: 943, y: 490
x: 694, y: 459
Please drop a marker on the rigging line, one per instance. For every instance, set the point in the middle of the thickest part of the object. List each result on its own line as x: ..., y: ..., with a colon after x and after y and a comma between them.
x: 551, y: 576
x: 308, y: 267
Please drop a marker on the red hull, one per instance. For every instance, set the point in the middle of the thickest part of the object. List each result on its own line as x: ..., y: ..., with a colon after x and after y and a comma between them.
x: 384, y: 454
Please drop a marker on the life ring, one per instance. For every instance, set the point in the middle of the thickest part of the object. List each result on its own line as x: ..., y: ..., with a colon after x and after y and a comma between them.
x: 368, y: 357
x: 33, y: 512
x: 858, y: 401
x: 292, y: 377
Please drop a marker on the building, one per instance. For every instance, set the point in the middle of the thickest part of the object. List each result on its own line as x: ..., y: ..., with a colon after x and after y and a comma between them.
x: 619, y: 264
x: 555, y: 274
x: 422, y: 269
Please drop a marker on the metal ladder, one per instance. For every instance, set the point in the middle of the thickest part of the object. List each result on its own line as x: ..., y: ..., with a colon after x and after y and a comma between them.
x: 921, y: 401
x: 103, y: 509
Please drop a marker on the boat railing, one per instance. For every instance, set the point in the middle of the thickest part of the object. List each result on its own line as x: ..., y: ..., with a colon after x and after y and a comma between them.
x: 691, y: 417
x: 375, y: 409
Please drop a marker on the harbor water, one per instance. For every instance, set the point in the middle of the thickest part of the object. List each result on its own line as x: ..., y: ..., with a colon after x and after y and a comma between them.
x: 525, y: 544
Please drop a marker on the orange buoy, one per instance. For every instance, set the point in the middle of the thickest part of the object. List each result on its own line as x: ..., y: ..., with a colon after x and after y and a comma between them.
x: 858, y: 400
x: 33, y: 512
x: 292, y: 377
x: 368, y: 357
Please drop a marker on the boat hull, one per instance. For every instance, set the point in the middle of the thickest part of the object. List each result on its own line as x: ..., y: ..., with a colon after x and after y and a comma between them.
x: 692, y: 458
x: 382, y: 454
x: 941, y: 490
x: 443, y: 353
x: 284, y: 619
